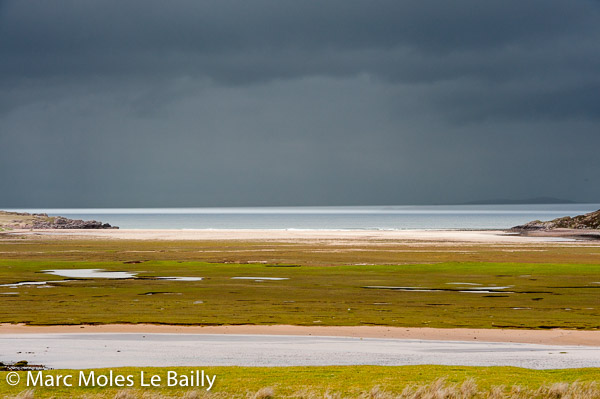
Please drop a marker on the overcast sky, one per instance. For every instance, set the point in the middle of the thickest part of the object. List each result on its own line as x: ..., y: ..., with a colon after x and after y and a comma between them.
x: 285, y: 102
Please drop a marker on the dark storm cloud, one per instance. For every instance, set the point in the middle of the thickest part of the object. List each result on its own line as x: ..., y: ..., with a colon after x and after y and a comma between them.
x: 226, y: 39
x: 297, y: 102
x: 539, y: 43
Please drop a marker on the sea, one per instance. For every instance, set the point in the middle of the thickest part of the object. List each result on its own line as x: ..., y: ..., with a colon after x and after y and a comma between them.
x: 405, y: 217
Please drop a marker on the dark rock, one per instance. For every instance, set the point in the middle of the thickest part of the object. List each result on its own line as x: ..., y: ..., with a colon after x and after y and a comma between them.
x: 60, y: 222
x: 43, y: 221
x: 588, y: 221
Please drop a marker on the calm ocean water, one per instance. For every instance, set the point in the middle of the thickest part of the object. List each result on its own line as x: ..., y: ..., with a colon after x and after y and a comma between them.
x: 352, y: 217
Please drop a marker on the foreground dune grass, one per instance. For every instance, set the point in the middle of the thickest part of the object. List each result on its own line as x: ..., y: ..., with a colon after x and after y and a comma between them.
x: 346, y: 382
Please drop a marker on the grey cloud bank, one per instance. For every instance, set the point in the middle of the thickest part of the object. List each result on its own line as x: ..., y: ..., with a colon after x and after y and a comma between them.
x: 219, y: 103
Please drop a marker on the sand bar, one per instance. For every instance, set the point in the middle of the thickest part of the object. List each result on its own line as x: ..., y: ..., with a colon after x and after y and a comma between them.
x: 545, y: 337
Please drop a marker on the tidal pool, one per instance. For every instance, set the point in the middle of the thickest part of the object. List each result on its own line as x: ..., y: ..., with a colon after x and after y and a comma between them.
x: 181, y: 278
x: 463, y: 283
x: 260, y: 278
x: 15, y: 285
x: 473, y: 290
x: 101, y: 273
x: 90, y: 273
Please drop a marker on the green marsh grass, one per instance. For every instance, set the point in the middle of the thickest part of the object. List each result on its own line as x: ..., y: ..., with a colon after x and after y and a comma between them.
x: 539, y: 296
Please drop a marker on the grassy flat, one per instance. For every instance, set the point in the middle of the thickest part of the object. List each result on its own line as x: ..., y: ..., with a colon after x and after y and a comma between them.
x: 306, y: 253
x: 537, y: 295
x: 550, y: 284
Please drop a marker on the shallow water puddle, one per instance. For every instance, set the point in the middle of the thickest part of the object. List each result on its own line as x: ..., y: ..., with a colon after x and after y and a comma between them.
x: 473, y: 290
x: 15, y: 285
x: 181, y: 278
x: 90, y: 273
x: 162, y: 293
x: 36, y: 284
x: 101, y: 273
x: 259, y: 279
x: 464, y: 283
x: 411, y: 289
x: 486, y: 292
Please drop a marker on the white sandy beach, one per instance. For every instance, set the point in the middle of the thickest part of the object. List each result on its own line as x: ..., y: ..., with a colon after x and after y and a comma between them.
x: 437, y: 236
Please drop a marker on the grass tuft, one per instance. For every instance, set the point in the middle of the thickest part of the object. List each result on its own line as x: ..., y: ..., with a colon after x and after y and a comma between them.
x: 28, y: 394
x: 264, y: 393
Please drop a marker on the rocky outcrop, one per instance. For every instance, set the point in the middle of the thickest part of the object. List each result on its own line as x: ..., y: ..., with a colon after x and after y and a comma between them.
x: 588, y: 221
x: 21, y: 220
x: 60, y: 222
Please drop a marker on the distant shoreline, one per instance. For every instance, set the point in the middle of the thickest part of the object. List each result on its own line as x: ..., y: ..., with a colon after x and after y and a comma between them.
x: 363, y: 218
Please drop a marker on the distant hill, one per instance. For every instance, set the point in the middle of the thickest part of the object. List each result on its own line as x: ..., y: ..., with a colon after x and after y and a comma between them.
x: 537, y: 200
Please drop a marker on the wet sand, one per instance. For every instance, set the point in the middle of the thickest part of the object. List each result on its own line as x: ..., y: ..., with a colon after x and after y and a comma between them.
x: 164, y: 350
x: 545, y: 337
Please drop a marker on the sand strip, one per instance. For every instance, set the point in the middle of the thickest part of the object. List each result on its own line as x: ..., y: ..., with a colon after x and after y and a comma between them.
x: 439, y: 236
x: 546, y: 337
